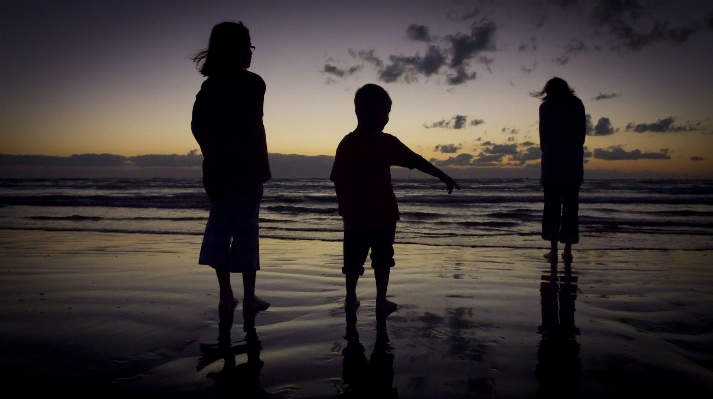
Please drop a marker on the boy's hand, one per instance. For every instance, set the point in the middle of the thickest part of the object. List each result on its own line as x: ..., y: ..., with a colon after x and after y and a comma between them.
x: 450, y: 184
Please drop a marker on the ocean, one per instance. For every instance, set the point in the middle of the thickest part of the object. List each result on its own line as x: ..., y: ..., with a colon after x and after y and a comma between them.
x: 494, y: 213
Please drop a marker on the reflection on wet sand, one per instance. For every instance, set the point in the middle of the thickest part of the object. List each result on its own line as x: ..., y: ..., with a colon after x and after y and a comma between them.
x: 235, y: 380
x: 559, y: 367
x: 367, y: 378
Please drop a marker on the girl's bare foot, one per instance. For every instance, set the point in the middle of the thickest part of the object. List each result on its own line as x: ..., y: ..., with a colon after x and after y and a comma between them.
x: 385, y: 308
x: 255, y: 305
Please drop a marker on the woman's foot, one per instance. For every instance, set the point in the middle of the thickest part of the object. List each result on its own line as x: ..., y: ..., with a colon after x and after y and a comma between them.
x: 255, y: 305
x: 385, y: 308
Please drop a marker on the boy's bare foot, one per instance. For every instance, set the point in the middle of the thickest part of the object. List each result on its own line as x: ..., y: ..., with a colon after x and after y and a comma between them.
x: 385, y: 308
x: 256, y: 305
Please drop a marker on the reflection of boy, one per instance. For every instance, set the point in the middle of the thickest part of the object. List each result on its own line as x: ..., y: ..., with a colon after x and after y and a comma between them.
x: 367, y: 204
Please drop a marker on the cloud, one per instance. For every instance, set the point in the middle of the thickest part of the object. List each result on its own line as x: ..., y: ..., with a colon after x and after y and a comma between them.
x: 660, y: 126
x: 487, y: 62
x: 695, y: 158
x: 602, y: 96
x: 468, y: 14
x: 334, y: 70
x: 465, y: 47
x: 620, y: 16
x: 587, y: 153
x: 574, y: 46
x: 509, y: 131
x: 564, y: 3
x: 418, y: 33
x: 561, y: 60
x: 476, y: 122
x: 619, y: 154
x: 448, y: 148
x: 75, y: 160
x: 528, y: 45
x: 460, y: 159
x: 528, y: 69
x: 405, y: 68
x: 603, y: 127
x: 529, y: 154
x: 501, y: 149
x: 456, y: 122
x: 527, y: 144
x: 608, y: 11
x: 488, y: 158
x: 454, y: 53
x: 367, y: 56
x: 460, y: 77
x: 193, y: 158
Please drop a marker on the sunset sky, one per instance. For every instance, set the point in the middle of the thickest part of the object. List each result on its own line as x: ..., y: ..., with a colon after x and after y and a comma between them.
x: 115, y: 77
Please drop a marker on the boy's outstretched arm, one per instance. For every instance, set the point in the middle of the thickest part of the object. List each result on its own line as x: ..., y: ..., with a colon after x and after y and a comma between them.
x: 426, y: 167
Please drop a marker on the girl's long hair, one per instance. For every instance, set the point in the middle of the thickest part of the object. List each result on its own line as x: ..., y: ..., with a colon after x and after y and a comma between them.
x: 555, y: 88
x: 221, y: 55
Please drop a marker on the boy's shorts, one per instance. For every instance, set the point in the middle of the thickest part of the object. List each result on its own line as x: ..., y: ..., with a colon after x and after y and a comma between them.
x: 358, y: 242
x: 237, y: 221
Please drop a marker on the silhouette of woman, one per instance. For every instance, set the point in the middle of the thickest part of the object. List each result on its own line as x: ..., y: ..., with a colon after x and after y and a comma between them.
x: 562, y: 131
x: 227, y: 123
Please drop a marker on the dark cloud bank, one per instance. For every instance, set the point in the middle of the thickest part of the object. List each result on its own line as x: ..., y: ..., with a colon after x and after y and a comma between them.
x: 493, y: 161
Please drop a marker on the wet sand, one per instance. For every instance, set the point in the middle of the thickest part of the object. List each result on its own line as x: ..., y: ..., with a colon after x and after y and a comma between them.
x: 134, y: 315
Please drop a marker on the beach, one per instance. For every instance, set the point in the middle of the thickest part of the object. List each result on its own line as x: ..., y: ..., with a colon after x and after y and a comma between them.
x: 135, y: 315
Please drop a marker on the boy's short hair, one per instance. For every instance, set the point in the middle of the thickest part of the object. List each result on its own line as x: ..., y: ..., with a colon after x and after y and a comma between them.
x: 368, y: 99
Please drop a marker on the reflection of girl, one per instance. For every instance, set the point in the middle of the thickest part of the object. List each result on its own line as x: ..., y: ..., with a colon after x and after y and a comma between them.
x: 562, y: 131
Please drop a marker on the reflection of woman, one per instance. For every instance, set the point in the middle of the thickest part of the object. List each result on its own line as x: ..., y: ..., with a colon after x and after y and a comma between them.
x: 562, y: 131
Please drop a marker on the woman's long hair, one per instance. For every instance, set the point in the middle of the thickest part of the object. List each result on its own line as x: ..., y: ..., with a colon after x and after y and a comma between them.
x: 555, y: 89
x: 222, y: 54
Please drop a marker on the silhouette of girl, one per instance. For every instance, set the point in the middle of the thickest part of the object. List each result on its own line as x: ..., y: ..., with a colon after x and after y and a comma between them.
x: 562, y: 131
x: 227, y: 124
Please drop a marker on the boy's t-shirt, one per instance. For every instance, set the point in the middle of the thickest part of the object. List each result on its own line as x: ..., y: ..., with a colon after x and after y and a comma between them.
x: 362, y: 177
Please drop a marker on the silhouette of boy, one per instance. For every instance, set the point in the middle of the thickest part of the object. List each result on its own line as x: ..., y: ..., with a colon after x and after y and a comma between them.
x: 367, y: 204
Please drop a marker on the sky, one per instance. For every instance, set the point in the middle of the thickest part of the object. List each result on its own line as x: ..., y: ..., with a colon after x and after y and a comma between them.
x: 115, y: 77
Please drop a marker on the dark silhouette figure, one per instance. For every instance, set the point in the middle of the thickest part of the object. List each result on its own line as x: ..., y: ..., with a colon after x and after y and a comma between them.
x: 227, y: 123
x: 562, y: 130
x: 235, y: 380
x: 559, y: 368
x: 372, y: 378
x: 367, y: 204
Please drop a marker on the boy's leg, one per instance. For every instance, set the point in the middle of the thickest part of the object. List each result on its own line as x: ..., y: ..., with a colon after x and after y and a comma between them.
x: 351, y: 302
x: 355, y: 249
x: 251, y: 303
x: 382, y: 260
x: 222, y: 271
